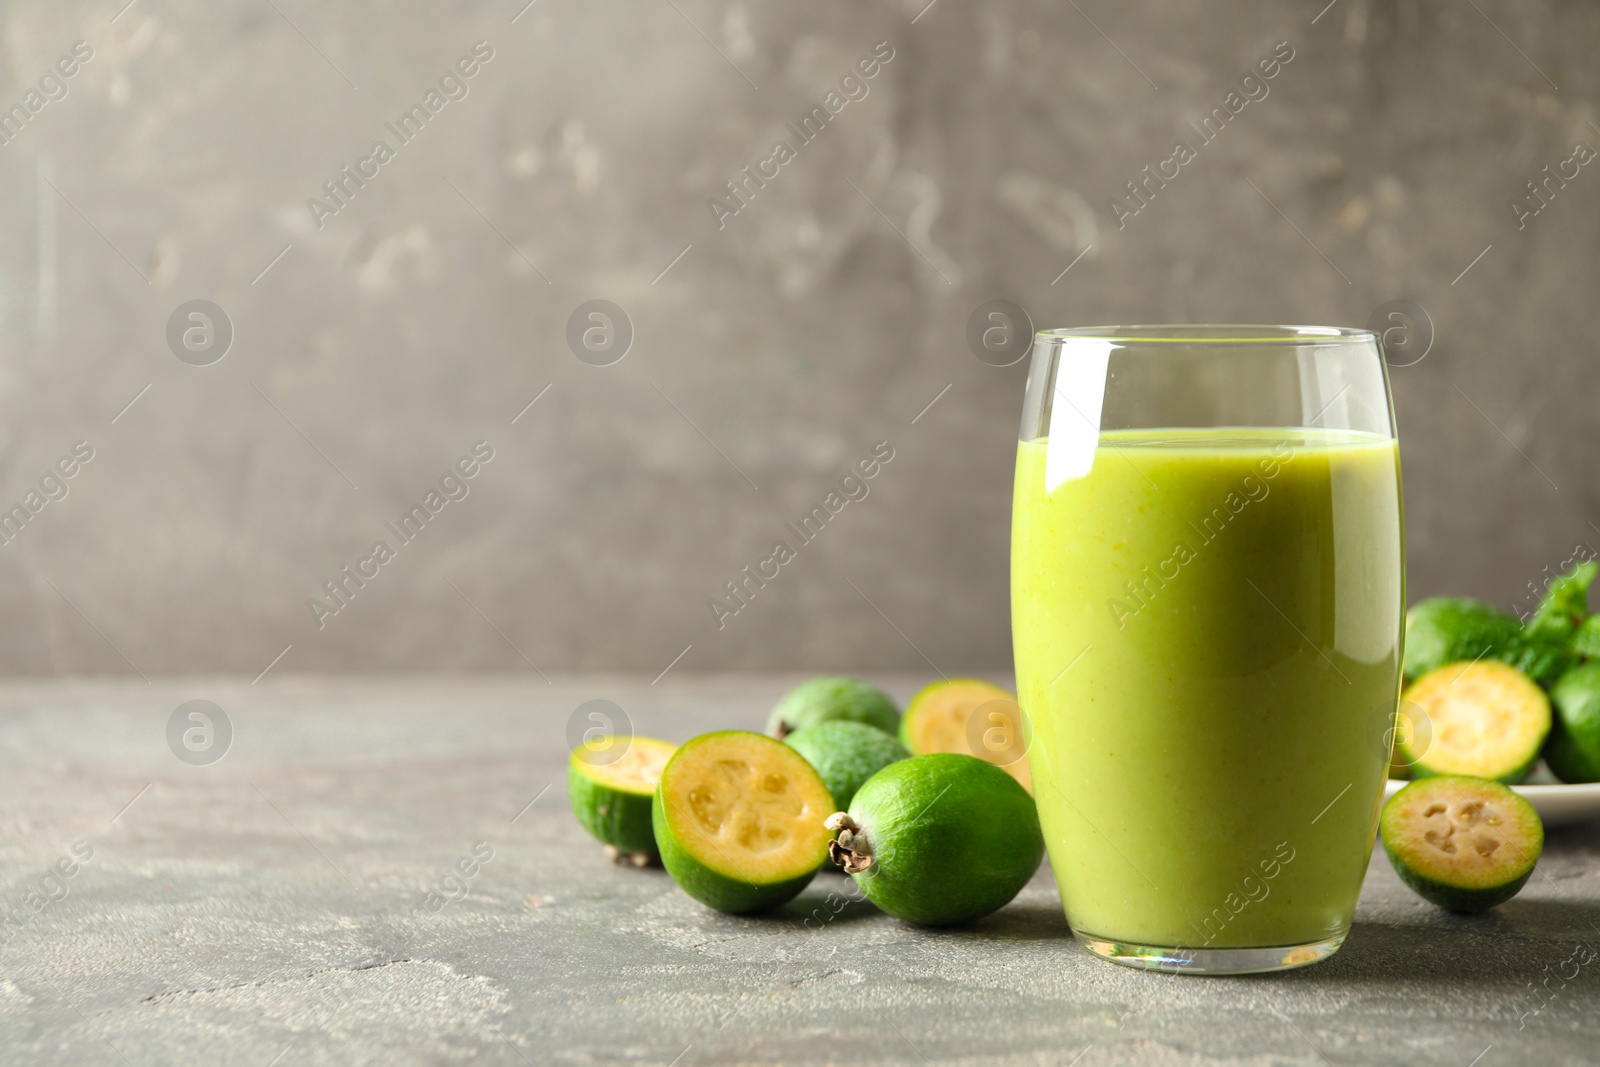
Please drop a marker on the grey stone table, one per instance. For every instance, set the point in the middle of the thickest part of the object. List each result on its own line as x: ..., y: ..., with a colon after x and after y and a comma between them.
x: 273, y: 908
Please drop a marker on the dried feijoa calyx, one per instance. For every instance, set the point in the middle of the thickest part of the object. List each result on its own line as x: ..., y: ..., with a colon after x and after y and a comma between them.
x: 1462, y: 843
x: 610, y: 785
x: 739, y: 821
x: 939, y: 839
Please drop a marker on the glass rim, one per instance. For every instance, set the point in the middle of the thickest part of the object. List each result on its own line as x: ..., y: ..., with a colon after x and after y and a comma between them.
x: 1210, y: 334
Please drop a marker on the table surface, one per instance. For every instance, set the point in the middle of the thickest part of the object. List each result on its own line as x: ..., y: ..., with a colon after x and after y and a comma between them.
x: 273, y: 908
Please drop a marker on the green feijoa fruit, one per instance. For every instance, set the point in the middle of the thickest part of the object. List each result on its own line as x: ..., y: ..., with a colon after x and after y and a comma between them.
x: 939, y: 839
x: 1482, y: 719
x: 829, y: 699
x: 739, y: 821
x: 1465, y: 844
x: 1448, y: 629
x: 1573, y: 751
x: 611, y: 785
x: 845, y: 754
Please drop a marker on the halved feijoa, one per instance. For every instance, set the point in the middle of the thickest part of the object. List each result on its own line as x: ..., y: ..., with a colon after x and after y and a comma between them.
x: 1465, y: 844
x: 1481, y: 719
x: 1573, y: 751
x: 971, y: 716
x: 610, y: 784
x: 832, y: 699
x: 939, y: 839
x: 845, y: 754
x: 739, y: 821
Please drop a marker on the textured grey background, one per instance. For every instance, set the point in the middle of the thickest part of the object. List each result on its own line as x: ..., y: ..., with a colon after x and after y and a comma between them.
x: 822, y: 318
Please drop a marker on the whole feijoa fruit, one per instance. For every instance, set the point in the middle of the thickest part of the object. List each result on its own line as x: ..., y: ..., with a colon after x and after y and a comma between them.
x: 939, y: 839
x: 830, y: 699
x: 846, y: 754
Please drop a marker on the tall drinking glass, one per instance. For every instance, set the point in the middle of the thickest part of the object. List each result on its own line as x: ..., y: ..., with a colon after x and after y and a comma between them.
x: 1207, y: 599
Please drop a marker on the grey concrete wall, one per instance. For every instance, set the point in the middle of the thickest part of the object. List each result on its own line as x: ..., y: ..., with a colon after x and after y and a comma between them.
x: 374, y: 345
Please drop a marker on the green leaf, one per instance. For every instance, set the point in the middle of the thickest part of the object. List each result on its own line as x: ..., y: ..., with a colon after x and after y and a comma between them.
x: 1586, y: 638
x: 1540, y: 656
x: 1565, y: 602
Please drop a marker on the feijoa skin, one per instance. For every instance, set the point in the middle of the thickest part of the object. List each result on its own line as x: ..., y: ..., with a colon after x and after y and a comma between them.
x: 1450, y: 629
x: 846, y: 754
x: 1573, y: 750
x: 940, y: 839
x: 1465, y: 844
x: 831, y: 699
x: 739, y: 819
x: 611, y: 786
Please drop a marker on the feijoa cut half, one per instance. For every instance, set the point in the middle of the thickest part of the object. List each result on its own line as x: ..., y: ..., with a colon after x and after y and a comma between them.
x: 739, y: 821
x: 845, y: 754
x: 833, y: 699
x: 1465, y: 844
x: 939, y: 839
x: 971, y: 716
x: 1483, y: 719
x: 610, y: 785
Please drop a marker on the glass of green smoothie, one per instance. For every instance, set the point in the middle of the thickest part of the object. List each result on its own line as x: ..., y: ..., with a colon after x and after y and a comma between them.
x: 1207, y: 599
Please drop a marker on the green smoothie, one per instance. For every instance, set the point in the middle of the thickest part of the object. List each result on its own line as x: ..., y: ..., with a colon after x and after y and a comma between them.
x: 1207, y: 628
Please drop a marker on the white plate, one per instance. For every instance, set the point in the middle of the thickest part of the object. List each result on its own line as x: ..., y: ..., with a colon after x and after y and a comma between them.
x: 1557, y: 805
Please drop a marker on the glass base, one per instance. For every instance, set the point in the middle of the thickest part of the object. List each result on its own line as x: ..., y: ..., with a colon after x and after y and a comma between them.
x: 1210, y: 960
